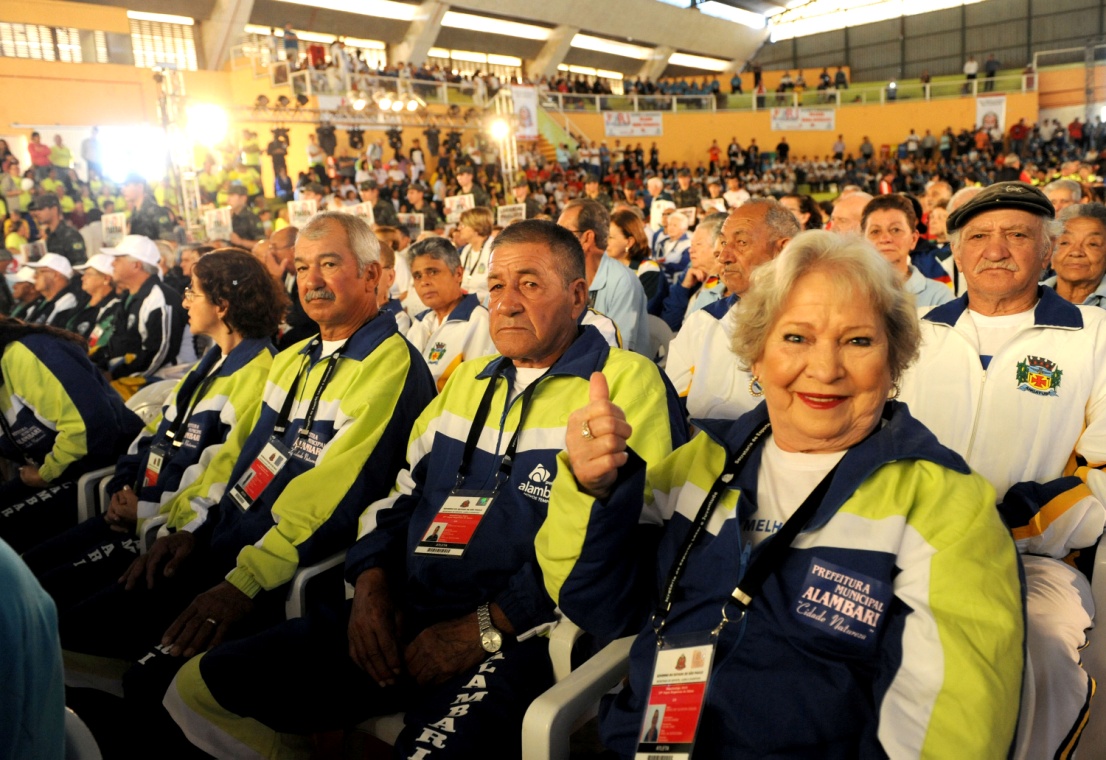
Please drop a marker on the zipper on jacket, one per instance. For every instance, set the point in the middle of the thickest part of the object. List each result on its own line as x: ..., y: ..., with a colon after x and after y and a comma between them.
x: 975, y: 418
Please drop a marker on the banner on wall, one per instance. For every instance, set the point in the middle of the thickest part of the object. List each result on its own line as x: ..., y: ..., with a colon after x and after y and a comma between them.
x: 628, y: 124
x: 526, y: 111
x: 990, y: 112
x: 803, y: 119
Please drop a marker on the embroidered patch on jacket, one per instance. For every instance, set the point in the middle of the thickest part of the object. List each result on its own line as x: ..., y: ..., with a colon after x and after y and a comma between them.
x: 842, y: 601
x: 539, y: 485
x: 1039, y: 375
x: 436, y: 353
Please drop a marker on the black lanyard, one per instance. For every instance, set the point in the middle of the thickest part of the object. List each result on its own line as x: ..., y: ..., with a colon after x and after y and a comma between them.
x: 507, y: 462
x: 769, y: 559
x: 286, y: 410
x: 182, y: 418
x: 479, y: 252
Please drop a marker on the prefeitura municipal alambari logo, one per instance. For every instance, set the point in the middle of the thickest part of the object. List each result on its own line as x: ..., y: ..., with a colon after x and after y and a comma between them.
x: 1039, y: 375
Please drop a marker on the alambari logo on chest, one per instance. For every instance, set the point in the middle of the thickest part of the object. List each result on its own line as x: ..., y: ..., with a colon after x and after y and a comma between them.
x: 539, y: 485
x: 1039, y: 375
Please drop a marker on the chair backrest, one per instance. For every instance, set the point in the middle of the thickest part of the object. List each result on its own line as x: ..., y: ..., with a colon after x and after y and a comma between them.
x: 147, y: 402
x: 660, y: 335
x: 79, y: 742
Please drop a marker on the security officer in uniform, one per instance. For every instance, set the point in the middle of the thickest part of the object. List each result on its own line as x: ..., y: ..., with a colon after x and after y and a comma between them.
x: 685, y: 195
x: 246, y: 228
x: 383, y: 211
x: 61, y: 237
x: 466, y: 185
x: 147, y: 218
x: 417, y: 204
x: 591, y: 190
x: 522, y: 195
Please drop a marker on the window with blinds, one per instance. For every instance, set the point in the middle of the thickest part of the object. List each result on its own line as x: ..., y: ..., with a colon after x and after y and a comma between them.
x: 28, y: 41
x: 158, y: 43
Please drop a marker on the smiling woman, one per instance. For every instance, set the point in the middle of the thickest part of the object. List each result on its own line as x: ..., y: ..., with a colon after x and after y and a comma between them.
x: 1079, y: 257
x: 803, y: 520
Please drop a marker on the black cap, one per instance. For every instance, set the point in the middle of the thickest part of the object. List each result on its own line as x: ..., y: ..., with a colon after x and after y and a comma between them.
x: 314, y: 187
x: 419, y: 186
x: 1016, y: 195
x: 592, y: 178
x: 237, y: 189
x: 465, y: 169
x: 683, y: 173
x: 47, y: 200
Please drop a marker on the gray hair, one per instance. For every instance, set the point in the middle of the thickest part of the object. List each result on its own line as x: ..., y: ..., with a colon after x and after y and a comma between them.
x: 854, y: 265
x: 712, y: 223
x: 962, y: 196
x: 781, y: 223
x: 1073, y: 188
x: 1094, y: 211
x: 562, y: 244
x: 681, y: 219
x: 359, y: 235
x: 438, y: 248
x: 594, y: 217
x: 1050, y: 230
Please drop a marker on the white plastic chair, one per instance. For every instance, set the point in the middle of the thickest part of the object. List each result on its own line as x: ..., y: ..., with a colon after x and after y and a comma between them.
x: 660, y: 335
x: 1092, y: 745
x: 79, y: 742
x: 149, y: 399
x: 92, y: 492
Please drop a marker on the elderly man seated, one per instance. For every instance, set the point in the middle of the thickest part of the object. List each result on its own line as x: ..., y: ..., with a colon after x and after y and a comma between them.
x: 1011, y: 377
x: 1079, y: 256
x: 326, y: 440
x: 54, y: 280
x: 449, y: 607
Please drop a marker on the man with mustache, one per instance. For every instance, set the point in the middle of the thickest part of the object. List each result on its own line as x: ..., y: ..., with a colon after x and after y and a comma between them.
x: 328, y: 438
x: 1012, y: 377
x: 700, y: 364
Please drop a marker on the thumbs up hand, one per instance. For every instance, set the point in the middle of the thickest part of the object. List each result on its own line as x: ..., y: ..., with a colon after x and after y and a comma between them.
x: 596, y: 438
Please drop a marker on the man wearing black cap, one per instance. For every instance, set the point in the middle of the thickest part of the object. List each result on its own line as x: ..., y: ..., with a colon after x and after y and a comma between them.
x: 61, y: 237
x: 685, y: 195
x: 592, y: 191
x: 417, y: 204
x: 466, y: 185
x: 383, y: 211
x: 1011, y: 376
x: 313, y: 191
x: 147, y: 218
x: 522, y: 195
x: 245, y: 225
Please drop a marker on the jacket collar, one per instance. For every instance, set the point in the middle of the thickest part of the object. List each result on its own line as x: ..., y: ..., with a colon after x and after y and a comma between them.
x: 1051, y: 311
x: 361, y: 343
x: 722, y: 306
x: 899, y: 437
x: 587, y: 354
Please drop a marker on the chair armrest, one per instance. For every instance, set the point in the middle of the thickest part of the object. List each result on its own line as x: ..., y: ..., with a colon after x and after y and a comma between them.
x: 87, y: 505
x: 561, y: 643
x: 149, y: 530
x: 296, y: 603
x: 552, y: 716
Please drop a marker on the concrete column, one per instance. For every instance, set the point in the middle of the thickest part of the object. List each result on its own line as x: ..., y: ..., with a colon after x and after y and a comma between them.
x: 656, y: 64
x: 553, y: 52
x: 222, y: 29
x: 421, y: 35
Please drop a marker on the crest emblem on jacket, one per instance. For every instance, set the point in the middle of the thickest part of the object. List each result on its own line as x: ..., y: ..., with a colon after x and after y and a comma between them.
x: 1038, y: 375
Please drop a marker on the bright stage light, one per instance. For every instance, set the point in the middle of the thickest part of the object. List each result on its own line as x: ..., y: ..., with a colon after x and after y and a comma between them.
x: 500, y: 129
x: 137, y: 149
x: 207, y: 124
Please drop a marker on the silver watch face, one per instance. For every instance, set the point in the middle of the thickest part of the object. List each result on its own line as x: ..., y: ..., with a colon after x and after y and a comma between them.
x: 491, y: 641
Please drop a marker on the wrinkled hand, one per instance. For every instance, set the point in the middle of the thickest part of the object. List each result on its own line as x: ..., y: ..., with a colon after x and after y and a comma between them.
x: 373, y: 632
x: 695, y: 276
x: 28, y: 473
x: 444, y: 650
x: 206, y: 621
x: 595, y: 462
x: 122, y: 514
x: 171, y: 550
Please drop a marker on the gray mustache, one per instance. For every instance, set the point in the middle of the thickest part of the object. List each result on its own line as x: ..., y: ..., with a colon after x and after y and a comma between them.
x: 319, y: 294
x: 1003, y: 264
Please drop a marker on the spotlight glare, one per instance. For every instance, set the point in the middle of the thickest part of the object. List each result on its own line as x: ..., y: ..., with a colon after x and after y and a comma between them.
x: 500, y: 129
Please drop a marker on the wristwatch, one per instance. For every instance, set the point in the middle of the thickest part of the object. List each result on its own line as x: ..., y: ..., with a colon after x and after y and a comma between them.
x: 490, y: 637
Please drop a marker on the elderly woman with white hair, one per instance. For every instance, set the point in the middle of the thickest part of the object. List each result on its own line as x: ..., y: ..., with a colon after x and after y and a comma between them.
x: 840, y: 578
x: 1079, y: 256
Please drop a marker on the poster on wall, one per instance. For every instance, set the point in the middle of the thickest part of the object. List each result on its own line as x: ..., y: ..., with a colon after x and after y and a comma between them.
x: 526, y: 112
x: 990, y: 112
x: 628, y: 124
x: 803, y: 119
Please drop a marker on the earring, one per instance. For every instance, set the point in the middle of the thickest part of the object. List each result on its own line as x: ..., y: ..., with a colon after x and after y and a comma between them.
x: 755, y: 389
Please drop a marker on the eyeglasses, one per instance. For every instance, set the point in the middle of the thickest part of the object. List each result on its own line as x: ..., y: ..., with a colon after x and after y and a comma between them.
x: 192, y: 295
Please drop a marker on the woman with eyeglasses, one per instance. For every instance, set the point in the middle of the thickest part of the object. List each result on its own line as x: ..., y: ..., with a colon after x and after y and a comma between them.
x: 180, y: 457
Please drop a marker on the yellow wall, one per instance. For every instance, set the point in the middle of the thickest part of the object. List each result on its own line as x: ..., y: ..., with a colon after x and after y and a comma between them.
x: 687, y: 136
x: 76, y: 15
x: 1067, y: 86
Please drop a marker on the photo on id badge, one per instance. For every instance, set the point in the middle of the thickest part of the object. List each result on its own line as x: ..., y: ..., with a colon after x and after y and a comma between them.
x: 652, y: 730
x: 435, y: 531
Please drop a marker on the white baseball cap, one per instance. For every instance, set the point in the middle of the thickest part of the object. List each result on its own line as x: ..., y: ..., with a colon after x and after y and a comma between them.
x: 137, y: 247
x: 101, y: 262
x: 24, y: 274
x: 54, y: 261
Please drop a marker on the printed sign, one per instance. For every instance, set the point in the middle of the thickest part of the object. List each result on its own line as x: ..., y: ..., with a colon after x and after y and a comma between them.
x: 455, y: 205
x: 526, y: 111
x: 803, y: 119
x: 412, y: 221
x: 504, y: 215
x: 656, y: 213
x: 217, y: 223
x: 114, y: 227
x: 300, y: 212
x: 629, y: 124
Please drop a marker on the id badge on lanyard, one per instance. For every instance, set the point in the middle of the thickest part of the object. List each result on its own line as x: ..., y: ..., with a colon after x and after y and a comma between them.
x: 154, y: 462
x: 677, y: 694
x: 452, y: 529
x: 260, y: 474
